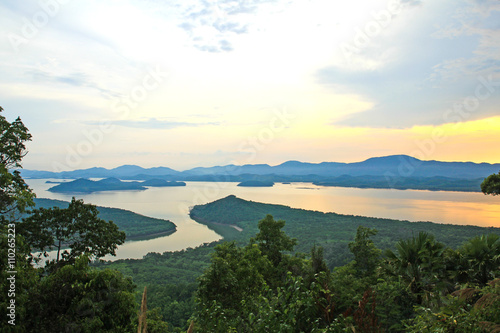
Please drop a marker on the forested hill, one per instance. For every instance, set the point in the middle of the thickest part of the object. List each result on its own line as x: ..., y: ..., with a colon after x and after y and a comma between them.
x: 330, y: 230
x: 134, y: 225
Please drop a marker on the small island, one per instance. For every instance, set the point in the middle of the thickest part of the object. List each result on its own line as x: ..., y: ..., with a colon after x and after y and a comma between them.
x: 256, y: 183
x: 89, y: 186
x: 161, y: 183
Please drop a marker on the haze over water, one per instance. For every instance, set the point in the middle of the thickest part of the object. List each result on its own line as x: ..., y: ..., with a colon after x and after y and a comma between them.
x: 173, y: 203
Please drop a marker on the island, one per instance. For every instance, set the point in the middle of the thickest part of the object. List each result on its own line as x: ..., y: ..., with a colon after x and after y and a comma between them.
x: 89, y: 186
x: 256, y: 183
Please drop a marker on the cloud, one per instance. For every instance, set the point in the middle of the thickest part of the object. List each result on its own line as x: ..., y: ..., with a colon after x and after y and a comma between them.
x: 76, y: 79
x: 412, y: 2
x: 153, y: 123
x: 429, y: 71
x: 213, y: 24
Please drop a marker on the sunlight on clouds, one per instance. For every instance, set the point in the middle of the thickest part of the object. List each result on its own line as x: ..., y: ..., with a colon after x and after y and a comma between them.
x: 450, y: 142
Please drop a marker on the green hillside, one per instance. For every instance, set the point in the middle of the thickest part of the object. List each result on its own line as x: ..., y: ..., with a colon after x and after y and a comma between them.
x: 134, y: 225
x: 330, y: 230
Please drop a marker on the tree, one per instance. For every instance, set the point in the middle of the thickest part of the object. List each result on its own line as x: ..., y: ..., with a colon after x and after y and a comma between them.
x: 491, y: 184
x: 366, y: 255
x: 228, y: 288
x: 272, y: 241
x: 419, y: 263
x: 77, y: 227
x: 234, y: 274
x: 15, y: 195
x: 481, y: 255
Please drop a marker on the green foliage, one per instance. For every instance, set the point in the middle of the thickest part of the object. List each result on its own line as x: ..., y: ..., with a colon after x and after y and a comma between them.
x: 272, y: 241
x: 419, y: 263
x: 395, y: 303
x: 77, y: 227
x: 366, y: 255
x: 15, y: 195
x: 155, y: 323
x: 170, y: 278
x: 18, y: 286
x: 480, y: 259
x: 235, y: 274
x: 78, y: 298
x: 467, y: 310
x: 491, y: 184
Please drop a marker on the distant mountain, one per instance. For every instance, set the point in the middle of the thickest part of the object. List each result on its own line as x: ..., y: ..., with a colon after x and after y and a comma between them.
x: 122, y: 172
x: 395, y: 166
x: 386, y: 171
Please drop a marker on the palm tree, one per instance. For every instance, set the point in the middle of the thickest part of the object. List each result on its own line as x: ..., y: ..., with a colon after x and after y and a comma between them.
x: 419, y: 263
x: 481, y: 256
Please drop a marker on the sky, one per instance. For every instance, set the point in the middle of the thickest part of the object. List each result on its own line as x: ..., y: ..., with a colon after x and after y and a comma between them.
x: 190, y: 83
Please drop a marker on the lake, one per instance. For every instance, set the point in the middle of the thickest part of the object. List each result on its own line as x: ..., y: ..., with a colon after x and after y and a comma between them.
x: 173, y: 203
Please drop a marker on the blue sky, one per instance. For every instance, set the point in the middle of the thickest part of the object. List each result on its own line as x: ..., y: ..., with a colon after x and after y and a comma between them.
x: 201, y: 83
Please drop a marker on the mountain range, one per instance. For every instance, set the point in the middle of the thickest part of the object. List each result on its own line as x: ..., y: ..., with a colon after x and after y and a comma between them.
x: 389, y: 167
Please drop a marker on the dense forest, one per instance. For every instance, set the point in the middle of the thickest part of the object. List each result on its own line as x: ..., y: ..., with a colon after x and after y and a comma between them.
x: 288, y: 270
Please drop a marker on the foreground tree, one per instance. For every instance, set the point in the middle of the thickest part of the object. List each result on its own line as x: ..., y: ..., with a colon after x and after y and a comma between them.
x: 77, y: 227
x: 491, y: 184
x: 15, y: 195
x: 418, y: 262
x: 17, y: 278
x: 481, y: 255
x: 81, y: 299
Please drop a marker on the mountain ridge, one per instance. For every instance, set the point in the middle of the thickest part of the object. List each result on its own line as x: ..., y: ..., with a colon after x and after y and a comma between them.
x: 391, y: 166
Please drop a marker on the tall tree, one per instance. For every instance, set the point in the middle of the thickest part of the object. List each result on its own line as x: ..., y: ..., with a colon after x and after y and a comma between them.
x: 17, y: 278
x: 15, y: 195
x: 273, y: 241
x: 366, y: 254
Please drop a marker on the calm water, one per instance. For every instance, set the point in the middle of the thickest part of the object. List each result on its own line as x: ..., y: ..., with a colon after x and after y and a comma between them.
x: 173, y: 203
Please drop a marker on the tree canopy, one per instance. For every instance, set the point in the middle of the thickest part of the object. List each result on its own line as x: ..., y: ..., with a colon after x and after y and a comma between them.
x: 15, y: 195
x: 491, y: 184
